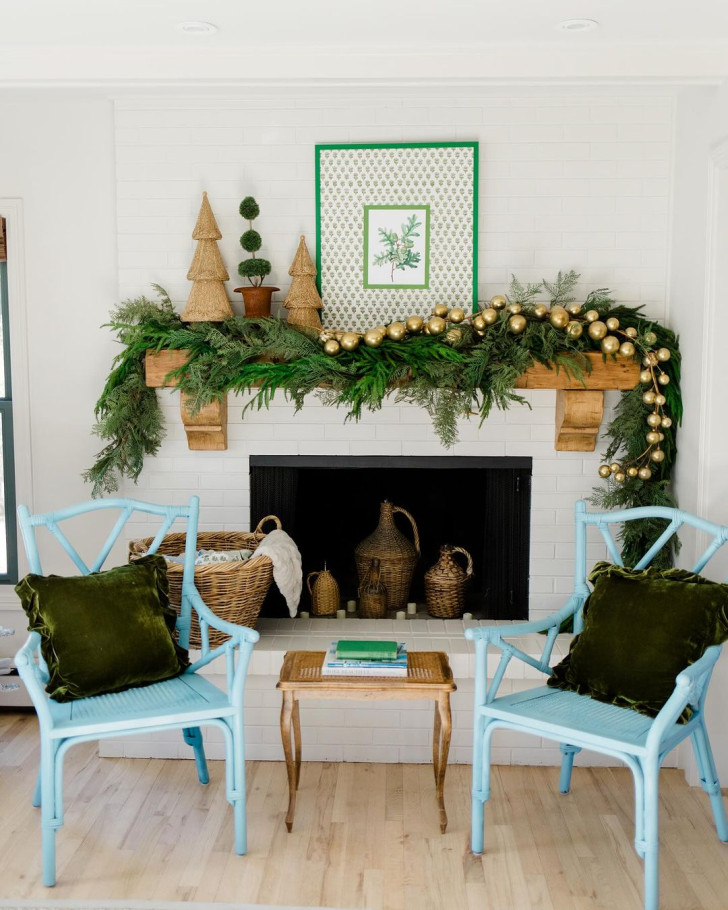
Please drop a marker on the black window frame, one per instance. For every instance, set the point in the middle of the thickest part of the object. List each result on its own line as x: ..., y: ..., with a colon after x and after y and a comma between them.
x: 8, y: 447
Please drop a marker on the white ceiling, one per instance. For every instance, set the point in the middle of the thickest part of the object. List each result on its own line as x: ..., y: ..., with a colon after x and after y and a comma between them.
x: 98, y: 41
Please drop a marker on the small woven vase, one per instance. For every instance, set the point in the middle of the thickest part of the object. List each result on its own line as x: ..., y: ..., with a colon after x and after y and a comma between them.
x: 324, y: 593
x: 397, y: 555
x: 445, y: 584
x: 373, y: 594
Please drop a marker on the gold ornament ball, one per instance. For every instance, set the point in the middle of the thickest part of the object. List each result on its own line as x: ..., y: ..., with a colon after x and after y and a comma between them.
x: 373, y: 338
x: 454, y: 335
x: 349, y: 341
x: 414, y: 324
x: 632, y: 332
x: 597, y: 330
x: 514, y: 308
x: 654, y: 420
x: 558, y: 317
x: 657, y: 455
x: 441, y: 310
x: 662, y: 354
x: 479, y: 323
x: 382, y: 329
x: 498, y: 301
x: 591, y: 315
x: 644, y: 473
x: 457, y: 314
x: 610, y: 344
x: 573, y: 309
x: 620, y: 477
x: 490, y: 316
x: 574, y: 330
x: 604, y: 470
x: 436, y: 325
x: 480, y: 333
x: 396, y: 331
x: 649, y: 397
x: 645, y: 376
x: 332, y: 347
x: 632, y: 471
x: 612, y: 323
x: 627, y: 349
x: 650, y: 338
x: 666, y: 422
x: 663, y: 379
x: 540, y: 310
x: 653, y: 437
x: 660, y: 400
x: 614, y: 467
x: 660, y: 437
x: 649, y: 360
x: 516, y: 324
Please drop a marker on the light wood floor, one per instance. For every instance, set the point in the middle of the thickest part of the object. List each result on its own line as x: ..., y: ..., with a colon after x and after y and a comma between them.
x: 365, y: 835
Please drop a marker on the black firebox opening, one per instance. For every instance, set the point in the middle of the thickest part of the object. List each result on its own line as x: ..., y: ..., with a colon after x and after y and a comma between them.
x: 328, y: 504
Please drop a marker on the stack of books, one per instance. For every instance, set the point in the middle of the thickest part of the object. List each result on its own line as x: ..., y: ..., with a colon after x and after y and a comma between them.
x: 365, y: 658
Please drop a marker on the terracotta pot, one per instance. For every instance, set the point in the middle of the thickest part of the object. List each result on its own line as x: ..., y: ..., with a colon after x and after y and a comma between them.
x: 257, y: 300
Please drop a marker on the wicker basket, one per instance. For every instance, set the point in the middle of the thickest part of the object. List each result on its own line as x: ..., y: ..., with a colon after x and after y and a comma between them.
x: 445, y: 584
x: 234, y: 591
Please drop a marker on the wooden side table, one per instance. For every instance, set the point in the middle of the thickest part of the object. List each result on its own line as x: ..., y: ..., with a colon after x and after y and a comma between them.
x: 428, y: 676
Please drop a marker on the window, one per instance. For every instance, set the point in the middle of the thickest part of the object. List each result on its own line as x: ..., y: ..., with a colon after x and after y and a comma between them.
x: 8, y: 529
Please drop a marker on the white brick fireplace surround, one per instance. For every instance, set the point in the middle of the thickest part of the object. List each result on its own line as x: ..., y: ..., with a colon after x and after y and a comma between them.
x: 569, y: 178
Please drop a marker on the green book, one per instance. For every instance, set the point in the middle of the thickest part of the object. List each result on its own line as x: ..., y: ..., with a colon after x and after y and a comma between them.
x: 366, y: 650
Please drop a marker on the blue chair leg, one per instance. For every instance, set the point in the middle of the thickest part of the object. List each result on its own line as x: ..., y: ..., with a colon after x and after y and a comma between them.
x: 709, y: 779
x: 51, y: 815
x: 36, y: 792
x: 652, y: 837
x: 237, y: 797
x: 477, y: 808
x: 567, y: 763
x: 193, y: 737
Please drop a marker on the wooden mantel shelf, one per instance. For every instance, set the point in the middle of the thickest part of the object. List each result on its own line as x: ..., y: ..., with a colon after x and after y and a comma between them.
x: 579, y: 405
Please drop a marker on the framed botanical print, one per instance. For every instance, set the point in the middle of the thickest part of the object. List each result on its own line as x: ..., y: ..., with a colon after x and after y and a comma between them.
x: 396, y: 230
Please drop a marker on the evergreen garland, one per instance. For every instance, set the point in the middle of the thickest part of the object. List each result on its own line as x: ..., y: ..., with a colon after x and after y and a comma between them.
x: 468, y: 373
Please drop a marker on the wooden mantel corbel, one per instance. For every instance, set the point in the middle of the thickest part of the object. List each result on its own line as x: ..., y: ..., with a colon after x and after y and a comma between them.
x: 579, y: 406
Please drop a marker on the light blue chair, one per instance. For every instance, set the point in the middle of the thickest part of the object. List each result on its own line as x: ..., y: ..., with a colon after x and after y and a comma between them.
x: 185, y: 702
x: 580, y: 722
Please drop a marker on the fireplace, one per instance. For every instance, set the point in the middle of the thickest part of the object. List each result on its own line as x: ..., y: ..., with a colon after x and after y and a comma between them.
x: 328, y: 504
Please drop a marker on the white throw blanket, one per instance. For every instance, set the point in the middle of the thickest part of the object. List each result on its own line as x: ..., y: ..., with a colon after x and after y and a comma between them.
x: 287, y: 572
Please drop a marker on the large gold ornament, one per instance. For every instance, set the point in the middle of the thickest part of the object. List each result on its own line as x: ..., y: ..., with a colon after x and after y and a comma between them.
x: 663, y: 379
x: 516, y: 323
x: 610, y: 344
x: 414, y: 324
x: 597, y: 330
x: 644, y: 473
x: 654, y: 419
x: 436, y: 325
x: 574, y: 330
x: 514, y: 308
x: 573, y: 309
x: 558, y: 317
x: 332, y: 347
x: 657, y: 455
x: 662, y: 354
x: 490, y: 316
x: 479, y: 323
x: 440, y: 309
x: 612, y: 323
x: 591, y: 315
x: 349, y: 341
x: 396, y: 331
x: 373, y: 338
x: 457, y: 314
x: 604, y: 470
x: 540, y: 310
x: 498, y: 301
x: 454, y: 335
x: 627, y: 349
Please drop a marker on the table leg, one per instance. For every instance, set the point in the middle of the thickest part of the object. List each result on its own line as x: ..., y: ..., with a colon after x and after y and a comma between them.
x: 444, y: 721
x: 436, y: 743
x: 287, y: 711
x: 297, y: 739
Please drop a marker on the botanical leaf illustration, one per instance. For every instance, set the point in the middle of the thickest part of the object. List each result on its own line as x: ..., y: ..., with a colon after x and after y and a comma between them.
x: 399, y: 252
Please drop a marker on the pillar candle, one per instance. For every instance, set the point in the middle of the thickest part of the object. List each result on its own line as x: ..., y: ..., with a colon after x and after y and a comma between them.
x: 341, y: 614
x: 400, y: 614
x: 411, y: 608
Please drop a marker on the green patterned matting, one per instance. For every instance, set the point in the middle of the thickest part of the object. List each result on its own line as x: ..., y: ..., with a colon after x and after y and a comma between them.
x: 443, y: 176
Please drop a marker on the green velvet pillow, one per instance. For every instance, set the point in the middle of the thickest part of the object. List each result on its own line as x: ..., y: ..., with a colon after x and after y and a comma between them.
x: 641, y: 628
x: 104, y: 632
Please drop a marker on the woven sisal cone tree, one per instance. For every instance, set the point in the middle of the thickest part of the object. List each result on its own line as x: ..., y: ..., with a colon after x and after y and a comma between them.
x: 303, y: 301
x: 208, y: 301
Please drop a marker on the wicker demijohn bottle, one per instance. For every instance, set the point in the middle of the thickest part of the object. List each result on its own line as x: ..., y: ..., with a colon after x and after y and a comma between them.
x: 396, y: 554
x: 372, y: 593
x: 324, y: 593
x: 445, y: 584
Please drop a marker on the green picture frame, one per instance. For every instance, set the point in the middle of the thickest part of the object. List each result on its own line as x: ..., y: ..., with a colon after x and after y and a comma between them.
x: 394, y: 243
x: 356, y: 186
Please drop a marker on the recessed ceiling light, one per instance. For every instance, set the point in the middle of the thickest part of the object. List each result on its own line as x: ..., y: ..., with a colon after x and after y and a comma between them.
x: 577, y: 25
x: 197, y: 28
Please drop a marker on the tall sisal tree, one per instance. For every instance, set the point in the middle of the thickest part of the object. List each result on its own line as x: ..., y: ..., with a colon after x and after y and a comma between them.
x: 208, y: 301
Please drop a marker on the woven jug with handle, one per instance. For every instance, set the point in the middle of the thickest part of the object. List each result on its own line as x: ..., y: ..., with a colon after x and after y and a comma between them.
x: 324, y: 592
x: 445, y: 583
x: 397, y: 555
